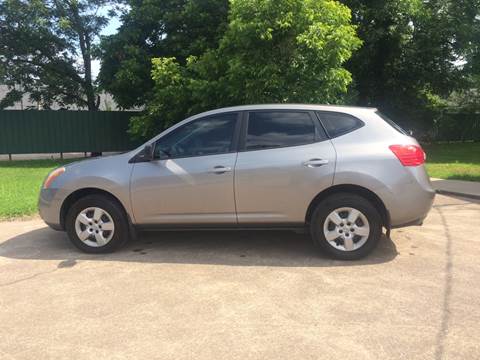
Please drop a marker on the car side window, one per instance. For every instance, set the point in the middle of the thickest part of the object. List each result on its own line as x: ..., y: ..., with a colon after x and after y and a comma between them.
x: 272, y: 129
x: 337, y: 124
x: 206, y: 136
x: 391, y: 123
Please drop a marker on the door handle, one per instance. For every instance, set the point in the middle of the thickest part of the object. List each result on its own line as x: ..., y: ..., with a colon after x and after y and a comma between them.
x: 315, y: 163
x: 220, y: 169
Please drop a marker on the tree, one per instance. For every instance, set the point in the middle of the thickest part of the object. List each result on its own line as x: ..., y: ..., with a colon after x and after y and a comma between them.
x: 412, y: 55
x: 157, y: 28
x: 272, y: 51
x: 47, y: 49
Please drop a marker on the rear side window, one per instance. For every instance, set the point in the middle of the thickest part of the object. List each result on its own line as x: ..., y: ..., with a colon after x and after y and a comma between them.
x: 391, y: 123
x: 279, y: 129
x: 338, y: 124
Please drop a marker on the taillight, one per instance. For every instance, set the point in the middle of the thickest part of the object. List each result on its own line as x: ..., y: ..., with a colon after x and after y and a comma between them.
x: 409, y: 155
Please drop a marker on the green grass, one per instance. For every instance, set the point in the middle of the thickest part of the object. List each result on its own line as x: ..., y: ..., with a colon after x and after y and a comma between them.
x: 20, y: 182
x: 459, y: 161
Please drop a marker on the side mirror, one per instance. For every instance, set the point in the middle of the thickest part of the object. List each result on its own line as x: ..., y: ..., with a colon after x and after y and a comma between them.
x: 148, y: 153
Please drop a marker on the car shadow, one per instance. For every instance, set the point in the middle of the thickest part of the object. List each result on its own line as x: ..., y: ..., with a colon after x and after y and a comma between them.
x: 234, y: 248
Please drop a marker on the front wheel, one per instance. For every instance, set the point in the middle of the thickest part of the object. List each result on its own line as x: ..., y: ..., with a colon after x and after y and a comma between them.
x: 97, y: 224
x: 346, y: 226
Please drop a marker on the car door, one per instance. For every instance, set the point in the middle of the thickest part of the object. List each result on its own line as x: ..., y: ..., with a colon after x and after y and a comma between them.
x: 190, y: 180
x: 285, y: 160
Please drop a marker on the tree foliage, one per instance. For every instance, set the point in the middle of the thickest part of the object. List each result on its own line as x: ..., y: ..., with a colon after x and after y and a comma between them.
x: 272, y: 51
x: 46, y: 50
x: 415, y: 54
x: 157, y: 28
x: 178, y: 57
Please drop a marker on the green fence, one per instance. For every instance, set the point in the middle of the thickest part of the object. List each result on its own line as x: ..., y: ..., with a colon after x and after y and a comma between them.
x: 49, y: 131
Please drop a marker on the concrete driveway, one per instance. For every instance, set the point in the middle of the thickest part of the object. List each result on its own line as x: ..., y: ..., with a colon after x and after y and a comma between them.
x: 244, y: 295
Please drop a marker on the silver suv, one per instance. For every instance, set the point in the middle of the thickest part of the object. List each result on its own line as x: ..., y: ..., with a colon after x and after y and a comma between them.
x: 344, y: 173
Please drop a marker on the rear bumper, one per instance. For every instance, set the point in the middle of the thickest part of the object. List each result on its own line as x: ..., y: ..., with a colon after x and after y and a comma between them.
x: 418, y: 208
x: 409, y: 202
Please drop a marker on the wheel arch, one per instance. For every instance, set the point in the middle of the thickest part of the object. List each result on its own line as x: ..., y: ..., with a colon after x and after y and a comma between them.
x: 80, y: 193
x: 353, y: 189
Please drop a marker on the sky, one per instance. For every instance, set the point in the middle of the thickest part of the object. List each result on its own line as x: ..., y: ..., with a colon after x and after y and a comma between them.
x: 110, y: 29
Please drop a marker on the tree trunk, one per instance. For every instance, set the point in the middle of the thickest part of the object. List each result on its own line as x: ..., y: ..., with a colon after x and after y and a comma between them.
x: 85, y: 48
x: 87, y: 64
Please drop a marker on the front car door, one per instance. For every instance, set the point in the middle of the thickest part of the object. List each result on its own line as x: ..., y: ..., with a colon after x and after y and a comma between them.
x: 285, y: 160
x: 190, y: 180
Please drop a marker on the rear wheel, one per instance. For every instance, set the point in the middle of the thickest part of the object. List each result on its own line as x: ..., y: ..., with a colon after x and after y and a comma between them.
x: 97, y: 224
x: 346, y: 226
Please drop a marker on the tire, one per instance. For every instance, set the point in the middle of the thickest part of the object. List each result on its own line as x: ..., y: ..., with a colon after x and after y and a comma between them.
x: 100, y: 239
x: 353, y: 241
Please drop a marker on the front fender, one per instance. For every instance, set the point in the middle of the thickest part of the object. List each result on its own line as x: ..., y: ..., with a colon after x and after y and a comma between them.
x: 110, y: 174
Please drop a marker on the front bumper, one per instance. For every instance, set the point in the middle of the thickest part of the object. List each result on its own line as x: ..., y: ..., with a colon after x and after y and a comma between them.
x: 49, y: 207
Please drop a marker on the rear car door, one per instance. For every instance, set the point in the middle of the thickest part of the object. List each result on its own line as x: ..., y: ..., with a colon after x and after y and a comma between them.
x: 190, y: 180
x: 285, y: 160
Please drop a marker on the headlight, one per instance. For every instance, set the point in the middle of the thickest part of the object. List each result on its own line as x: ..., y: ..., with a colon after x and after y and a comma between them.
x: 52, y: 176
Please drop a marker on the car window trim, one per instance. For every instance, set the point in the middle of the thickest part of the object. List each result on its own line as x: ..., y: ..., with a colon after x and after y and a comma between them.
x: 233, y: 146
x: 392, y: 123
x: 320, y: 133
x: 318, y: 115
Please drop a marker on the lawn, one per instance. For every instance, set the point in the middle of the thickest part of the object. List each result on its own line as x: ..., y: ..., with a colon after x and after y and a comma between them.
x: 20, y: 182
x: 459, y: 161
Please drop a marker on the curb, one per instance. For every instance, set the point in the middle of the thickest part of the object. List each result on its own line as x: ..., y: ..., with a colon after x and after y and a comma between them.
x: 454, y: 193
